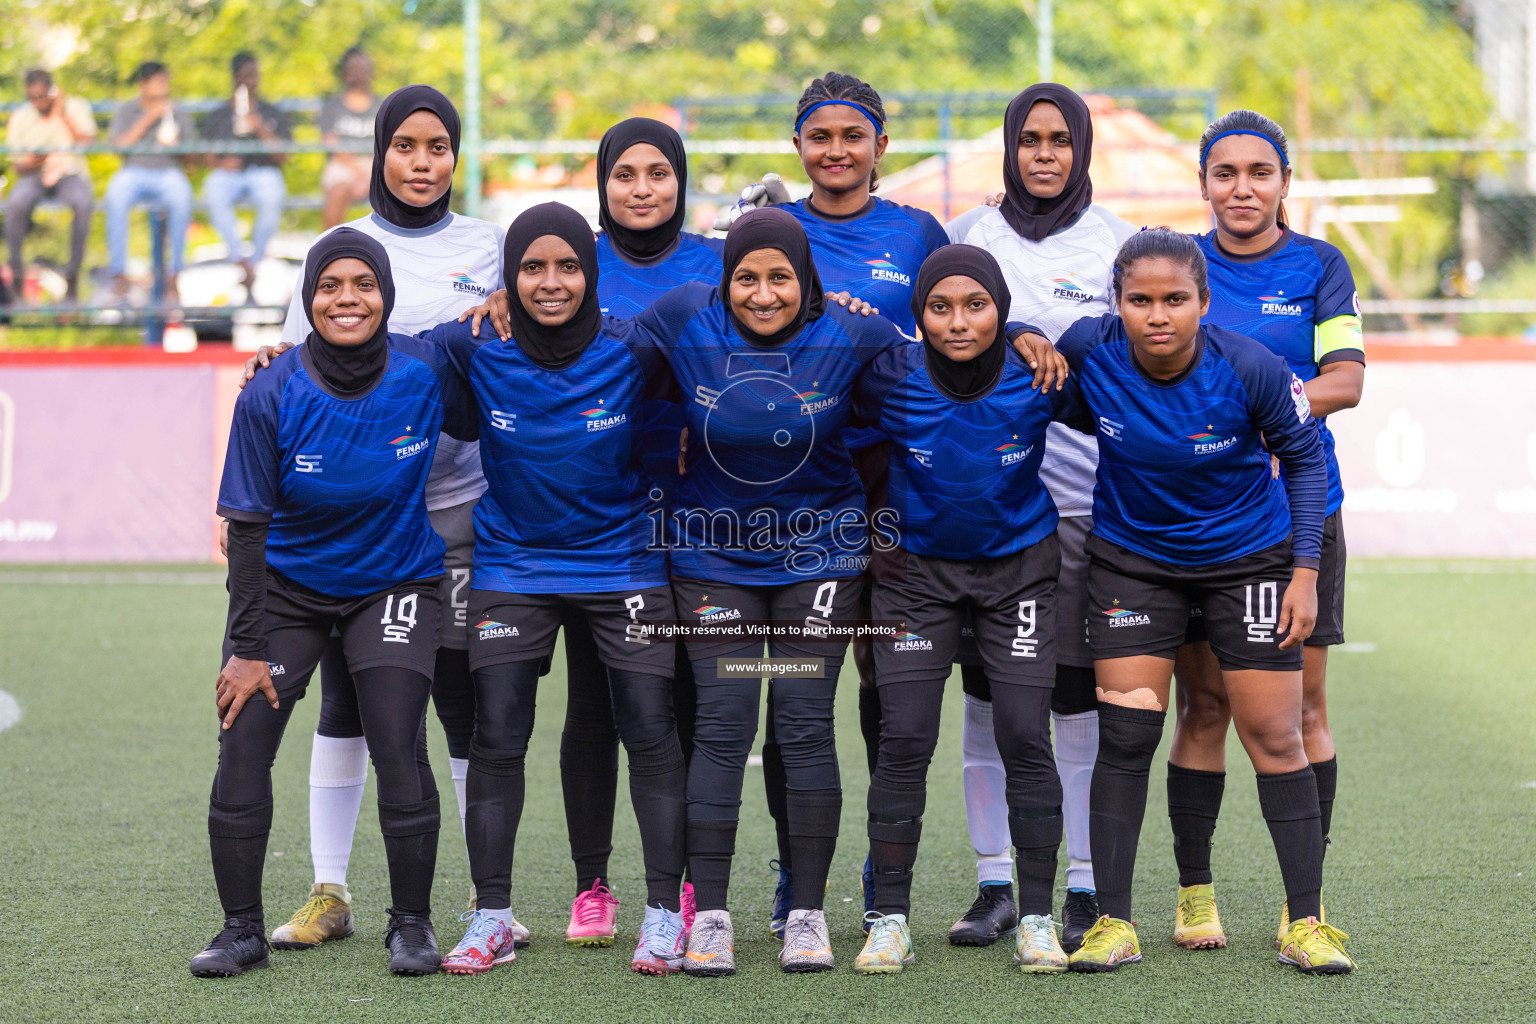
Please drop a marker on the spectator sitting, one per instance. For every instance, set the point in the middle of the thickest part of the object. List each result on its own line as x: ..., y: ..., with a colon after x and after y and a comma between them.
x: 348, y: 117
x: 149, y: 124
x: 54, y: 123
x: 254, y: 177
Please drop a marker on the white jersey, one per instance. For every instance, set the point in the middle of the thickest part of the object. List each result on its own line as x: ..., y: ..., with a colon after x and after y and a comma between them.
x: 1054, y: 283
x: 439, y: 272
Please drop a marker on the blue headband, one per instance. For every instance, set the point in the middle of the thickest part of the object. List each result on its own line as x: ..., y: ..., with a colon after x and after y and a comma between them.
x: 1243, y: 131
x: 879, y: 128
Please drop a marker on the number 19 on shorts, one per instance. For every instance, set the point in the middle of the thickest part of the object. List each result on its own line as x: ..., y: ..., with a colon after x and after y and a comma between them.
x: 1263, y: 598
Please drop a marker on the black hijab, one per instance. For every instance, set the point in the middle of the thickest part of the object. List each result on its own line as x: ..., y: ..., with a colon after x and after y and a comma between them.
x: 657, y: 243
x: 348, y: 369
x: 974, y: 376
x: 1030, y: 216
x: 553, y: 348
x: 398, y: 106
x: 770, y: 228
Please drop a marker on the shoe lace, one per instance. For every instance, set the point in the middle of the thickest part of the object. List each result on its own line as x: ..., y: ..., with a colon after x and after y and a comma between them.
x: 482, y: 928
x: 884, y: 932
x: 1318, y: 931
x: 233, y: 931
x: 411, y: 928
x: 1102, y: 936
x: 591, y: 906
x: 711, y: 935
x: 986, y: 899
x: 1078, y: 901
x: 1042, y: 934
x: 1199, y: 908
x: 802, y: 933
x: 662, y: 932
x: 785, y: 885
x: 312, y: 909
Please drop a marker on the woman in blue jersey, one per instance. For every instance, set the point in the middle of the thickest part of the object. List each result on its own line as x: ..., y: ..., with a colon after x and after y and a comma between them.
x: 442, y: 263
x: 1296, y: 295
x: 642, y: 253
x: 871, y: 248
x: 324, y: 490
x: 1187, y: 515
x: 1056, y: 247
x: 977, y: 545
x: 563, y: 532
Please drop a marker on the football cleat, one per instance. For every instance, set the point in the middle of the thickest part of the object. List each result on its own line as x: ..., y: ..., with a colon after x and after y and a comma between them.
x: 1036, y: 949
x: 711, y: 945
x: 1078, y: 913
x: 326, y: 915
x: 594, y: 914
x: 807, y: 946
x: 1196, y: 925
x: 488, y: 942
x: 1313, y: 947
x: 663, y: 941
x: 993, y: 915
x: 241, y: 946
x: 888, y: 949
x: 1108, y: 944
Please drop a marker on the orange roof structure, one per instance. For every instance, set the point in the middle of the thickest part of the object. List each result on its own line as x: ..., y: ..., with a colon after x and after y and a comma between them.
x: 1141, y: 172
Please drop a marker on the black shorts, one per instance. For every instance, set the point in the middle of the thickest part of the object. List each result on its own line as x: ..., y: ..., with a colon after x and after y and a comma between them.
x: 522, y: 627
x: 394, y: 628
x: 1009, y: 604
x: 804, y: 605
x: 1140, y: 606
x: 1071, y: 600
x: 1329, y: 630
x: 456, y: 526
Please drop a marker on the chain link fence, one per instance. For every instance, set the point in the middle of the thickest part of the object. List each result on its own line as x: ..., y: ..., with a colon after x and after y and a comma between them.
x: 1411, y: 153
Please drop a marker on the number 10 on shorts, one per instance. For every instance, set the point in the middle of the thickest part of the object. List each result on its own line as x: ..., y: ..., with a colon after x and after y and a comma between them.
x: 399, y: 618
x: 1261, y: 629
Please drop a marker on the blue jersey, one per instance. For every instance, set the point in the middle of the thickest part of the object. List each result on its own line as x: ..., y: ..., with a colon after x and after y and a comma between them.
x: 626, y: 291
x: 1183, y: 475
x: 1278, y: 297
x: 342, y: 481
x: 770, y: 495
x: 567, y: 501
x: 965, y: 474
x: 874, y: 254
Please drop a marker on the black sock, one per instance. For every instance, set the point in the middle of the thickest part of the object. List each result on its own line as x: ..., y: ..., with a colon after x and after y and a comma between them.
x: 1117, y: 800
x: 1327, y: 773
x: 1036, y: 833
x: 589, y: 780
x: 410, y: 846
x: 711, y: 844
x: 657, y: 784
x: 494, y: 789
x: 869, y: 723
x: 813, y: 821
x: 1194, y: 801
x: 895, y: 828
x: 775, y: 787
x: 237, y: 838
x: 1289, y: 804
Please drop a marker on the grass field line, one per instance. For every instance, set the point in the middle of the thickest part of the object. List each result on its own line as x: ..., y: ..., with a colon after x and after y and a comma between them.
x: 94, y: 578
x: 10, y: 711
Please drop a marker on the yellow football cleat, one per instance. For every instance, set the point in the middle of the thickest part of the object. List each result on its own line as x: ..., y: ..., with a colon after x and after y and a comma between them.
x: 1285, y: 921
x: 1108, y: 944
x: 1315, y: 948
x: 1196, y: 925
x: 326, y: 915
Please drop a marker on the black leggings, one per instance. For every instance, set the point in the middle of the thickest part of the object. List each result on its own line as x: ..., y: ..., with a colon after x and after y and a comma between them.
x: 453, y: 695
x: 909, y: 732
x: 589, y: 747
x: 392, y: 702
x: 504, y: 711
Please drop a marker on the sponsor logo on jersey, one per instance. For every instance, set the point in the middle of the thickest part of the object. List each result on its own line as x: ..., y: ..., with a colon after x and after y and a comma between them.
x: 1013, y: 452
x: 598, y: 418
x: 885, y: 270
x: 407, y: 445
x: 906, y: 641
x: 462, y: 282
x: 1207, y: 442
x: 490, y: 629
x: 274, y: 669
x: 813, y: 401
x: 1068, y: 288
x: 715, y: 613
x: 1122, y: 617
x: 1278, y: 305
x: 1299, y: 399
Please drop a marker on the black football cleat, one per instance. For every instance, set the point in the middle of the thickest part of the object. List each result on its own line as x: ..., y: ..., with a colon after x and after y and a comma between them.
x: 993, y: 915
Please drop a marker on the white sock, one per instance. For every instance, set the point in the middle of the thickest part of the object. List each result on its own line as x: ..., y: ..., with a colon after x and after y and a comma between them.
x: 504, y: 915
x: 986, y: 794
x: 1077, y: 747
x: 458, y: 767
x: 338, y: 768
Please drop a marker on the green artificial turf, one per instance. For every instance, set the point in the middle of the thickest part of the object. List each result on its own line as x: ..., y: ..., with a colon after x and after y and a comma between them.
x: 106, y: 891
